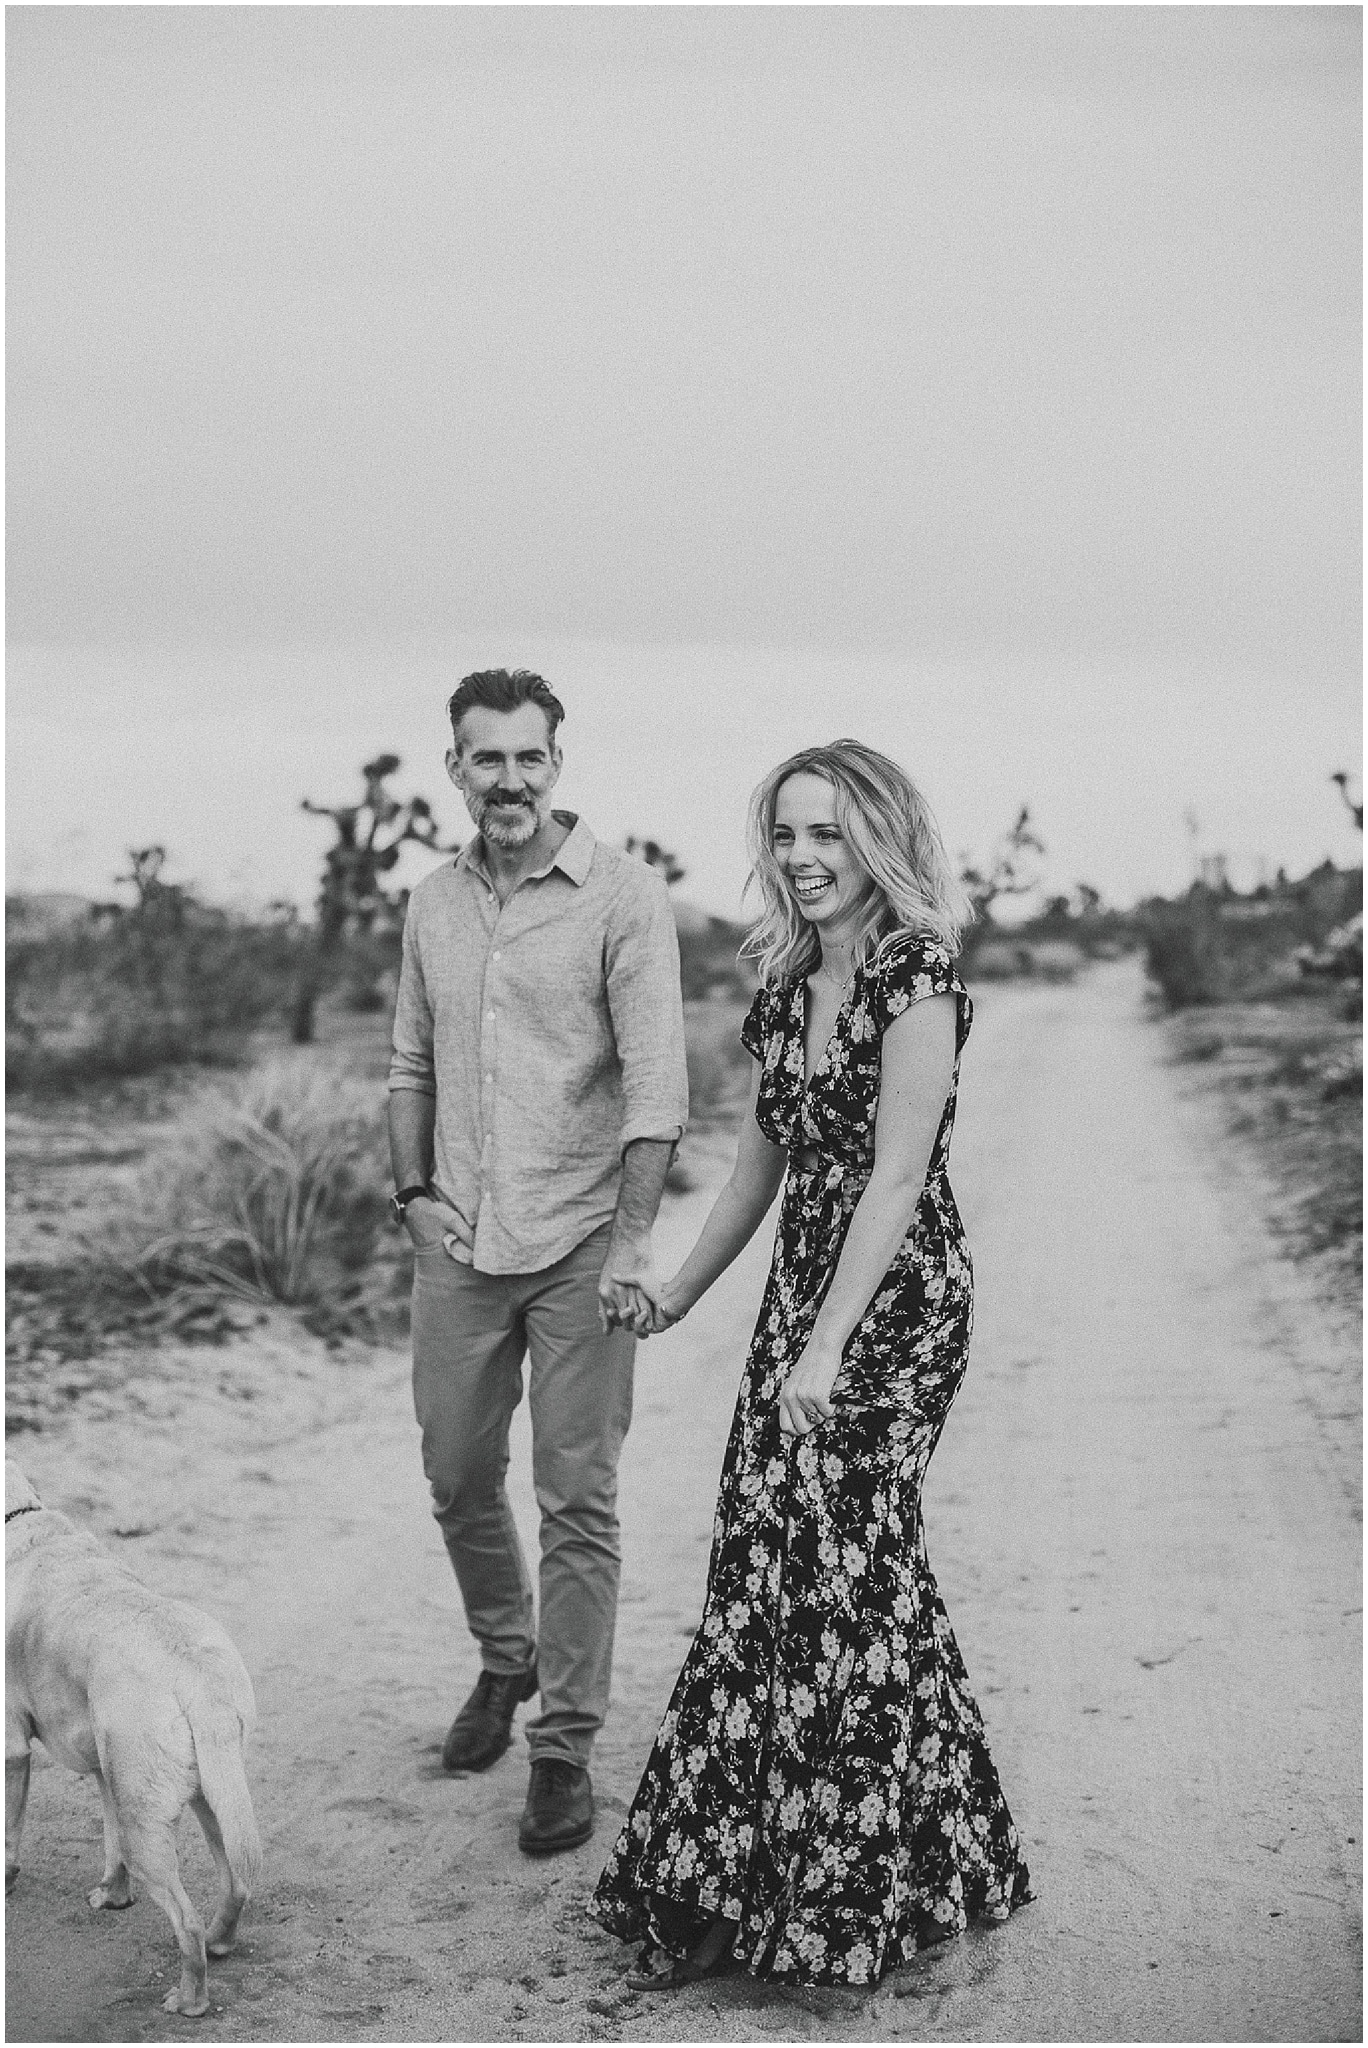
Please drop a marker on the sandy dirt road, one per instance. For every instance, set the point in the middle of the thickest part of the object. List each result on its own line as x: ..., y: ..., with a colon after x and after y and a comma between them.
x: 1143, y: 1516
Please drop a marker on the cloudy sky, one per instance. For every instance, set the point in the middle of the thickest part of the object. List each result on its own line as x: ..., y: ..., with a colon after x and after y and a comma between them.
x: 984, y: 382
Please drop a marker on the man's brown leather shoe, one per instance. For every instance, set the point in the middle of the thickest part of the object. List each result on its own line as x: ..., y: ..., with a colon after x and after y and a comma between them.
x: 559, y: 1813
x: 483, y: 1729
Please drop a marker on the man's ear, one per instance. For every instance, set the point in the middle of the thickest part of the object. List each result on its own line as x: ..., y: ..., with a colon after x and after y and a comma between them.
x: 454, y: 769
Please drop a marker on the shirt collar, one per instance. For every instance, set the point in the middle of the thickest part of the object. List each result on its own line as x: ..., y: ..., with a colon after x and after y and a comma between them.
x: 574, y: 856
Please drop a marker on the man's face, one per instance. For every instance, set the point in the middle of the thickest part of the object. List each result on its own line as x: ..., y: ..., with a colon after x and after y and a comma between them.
x: 505, y: 766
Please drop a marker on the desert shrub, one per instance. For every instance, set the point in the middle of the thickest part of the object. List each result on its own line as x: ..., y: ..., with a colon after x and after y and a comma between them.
x: 708, y: 963
x: 128, y: 994
x: 271, y: 1188
x: 1200, y: 1047
x: 719, y: 1065
x: 996, y: 959
x: 1181, y: 957
x: 1213, y: 946
x: 1056, y: 959
x: 1006, y: 958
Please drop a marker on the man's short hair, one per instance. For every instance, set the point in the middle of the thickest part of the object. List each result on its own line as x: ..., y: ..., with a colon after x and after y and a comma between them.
x: 503, y: 689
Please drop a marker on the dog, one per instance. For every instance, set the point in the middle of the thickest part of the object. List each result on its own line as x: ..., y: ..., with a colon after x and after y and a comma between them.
x: 147, y: 1694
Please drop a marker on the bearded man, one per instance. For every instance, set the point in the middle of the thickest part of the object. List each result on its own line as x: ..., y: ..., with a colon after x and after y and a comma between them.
x: 537, y: 1092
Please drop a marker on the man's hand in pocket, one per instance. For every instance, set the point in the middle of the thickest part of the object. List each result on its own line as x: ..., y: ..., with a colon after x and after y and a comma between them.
x: 430, y: 1223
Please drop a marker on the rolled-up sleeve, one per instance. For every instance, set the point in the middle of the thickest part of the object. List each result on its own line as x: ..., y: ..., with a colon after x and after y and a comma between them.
x: 412, y: 1067
x: 644, y: 1001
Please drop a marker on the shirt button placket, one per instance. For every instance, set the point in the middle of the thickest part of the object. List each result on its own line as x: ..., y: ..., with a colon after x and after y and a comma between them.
x: 487, y: 1037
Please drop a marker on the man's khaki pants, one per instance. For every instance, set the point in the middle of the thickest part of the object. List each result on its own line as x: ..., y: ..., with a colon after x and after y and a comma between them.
x: 471, y: 1332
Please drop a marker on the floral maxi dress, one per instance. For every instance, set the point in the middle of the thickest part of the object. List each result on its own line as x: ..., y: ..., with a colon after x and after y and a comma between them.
x: 821, y: 1775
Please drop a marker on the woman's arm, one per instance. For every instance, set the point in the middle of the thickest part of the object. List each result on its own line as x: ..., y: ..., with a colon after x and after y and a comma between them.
x: 735, y: 1216
x: 918, y: 1063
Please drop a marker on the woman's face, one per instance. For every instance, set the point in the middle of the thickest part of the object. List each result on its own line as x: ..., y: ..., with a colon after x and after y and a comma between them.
x: 815, y: 858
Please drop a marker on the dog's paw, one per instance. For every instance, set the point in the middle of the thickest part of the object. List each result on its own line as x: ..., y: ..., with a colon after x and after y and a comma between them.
x: 111, y: 1898
x: 186, y: 2007
x: 219, y: 1944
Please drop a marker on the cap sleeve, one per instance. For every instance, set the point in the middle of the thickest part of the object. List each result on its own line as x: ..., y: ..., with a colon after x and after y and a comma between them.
x: 910, y: 970
x: 755, y: 1028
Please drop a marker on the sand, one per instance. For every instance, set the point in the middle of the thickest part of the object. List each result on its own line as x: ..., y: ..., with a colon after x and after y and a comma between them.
x: 1143, y: 1516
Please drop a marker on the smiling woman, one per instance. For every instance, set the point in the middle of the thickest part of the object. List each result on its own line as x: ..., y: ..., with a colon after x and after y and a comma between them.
x: 841, y: 836
x: 820, y: 1801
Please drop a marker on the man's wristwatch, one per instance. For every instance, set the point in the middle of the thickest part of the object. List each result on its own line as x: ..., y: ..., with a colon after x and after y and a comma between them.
x: 401, y: 1198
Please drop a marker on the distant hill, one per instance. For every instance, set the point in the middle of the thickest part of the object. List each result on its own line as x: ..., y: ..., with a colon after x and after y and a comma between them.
x: 689, y: 918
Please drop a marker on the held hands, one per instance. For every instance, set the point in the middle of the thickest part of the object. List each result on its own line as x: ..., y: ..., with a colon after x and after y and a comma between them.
x: 805, y: 1397
x: 632, y: 1297
x: 430, y: 1222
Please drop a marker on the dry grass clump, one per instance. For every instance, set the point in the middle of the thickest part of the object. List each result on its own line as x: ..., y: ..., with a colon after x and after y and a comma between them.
x: 1291, y: 1074
x: 270, y: 1189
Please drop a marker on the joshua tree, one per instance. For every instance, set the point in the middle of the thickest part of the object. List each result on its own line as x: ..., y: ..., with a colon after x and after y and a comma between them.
x: 656, y: 856
x: 1012, y: 868
x: 1355, y: 810
x: 160, y: 903
x: 352, y: 901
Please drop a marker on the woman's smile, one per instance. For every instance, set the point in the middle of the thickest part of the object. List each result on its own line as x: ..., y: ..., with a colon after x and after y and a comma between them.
x: 807, y: 888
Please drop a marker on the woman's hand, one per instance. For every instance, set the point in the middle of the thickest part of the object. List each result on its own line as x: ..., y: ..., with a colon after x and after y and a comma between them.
x: 665, y: 1308
x: 805, y: 1397
x: 670, y: 1308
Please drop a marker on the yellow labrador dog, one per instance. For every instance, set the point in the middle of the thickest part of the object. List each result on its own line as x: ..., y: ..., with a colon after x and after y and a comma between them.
x: 147, y: 1693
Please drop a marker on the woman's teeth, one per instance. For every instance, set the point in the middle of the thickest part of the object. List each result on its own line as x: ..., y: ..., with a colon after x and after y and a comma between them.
x: 811, y: 885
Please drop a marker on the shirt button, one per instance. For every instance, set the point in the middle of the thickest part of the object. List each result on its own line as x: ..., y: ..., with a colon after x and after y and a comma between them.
x: 491, y: 1016
x: 498, y: 956
x: 489, y: 1080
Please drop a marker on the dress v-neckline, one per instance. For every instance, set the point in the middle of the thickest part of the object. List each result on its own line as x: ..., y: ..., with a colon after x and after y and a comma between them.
x: 821, y: 1059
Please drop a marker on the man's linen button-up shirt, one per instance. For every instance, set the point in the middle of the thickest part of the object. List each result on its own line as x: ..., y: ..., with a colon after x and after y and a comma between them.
x: 551, y: 1032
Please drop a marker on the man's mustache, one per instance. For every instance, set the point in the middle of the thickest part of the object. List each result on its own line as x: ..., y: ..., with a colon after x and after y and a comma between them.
x: 506, y: 797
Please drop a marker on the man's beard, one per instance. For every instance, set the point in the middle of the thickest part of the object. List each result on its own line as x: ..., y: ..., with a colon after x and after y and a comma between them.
x: 508, y: 828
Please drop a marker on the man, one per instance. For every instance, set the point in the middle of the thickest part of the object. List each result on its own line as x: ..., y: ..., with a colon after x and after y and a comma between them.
x: 537, y: 1090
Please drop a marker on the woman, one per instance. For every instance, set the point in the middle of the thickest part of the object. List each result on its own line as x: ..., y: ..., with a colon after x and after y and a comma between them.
x: 820, y: 1800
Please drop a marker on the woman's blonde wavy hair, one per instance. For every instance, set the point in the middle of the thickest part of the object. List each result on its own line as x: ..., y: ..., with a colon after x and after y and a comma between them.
x: 894, y: 837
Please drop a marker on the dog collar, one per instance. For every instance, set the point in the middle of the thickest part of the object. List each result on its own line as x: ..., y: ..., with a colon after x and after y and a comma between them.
x: 30, y: 1507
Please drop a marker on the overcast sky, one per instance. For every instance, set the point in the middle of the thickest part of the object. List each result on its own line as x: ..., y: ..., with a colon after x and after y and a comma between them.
x: 985, y: 382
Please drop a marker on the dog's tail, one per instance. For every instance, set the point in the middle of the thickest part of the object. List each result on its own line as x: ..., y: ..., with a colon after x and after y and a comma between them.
x: 218, y: 1734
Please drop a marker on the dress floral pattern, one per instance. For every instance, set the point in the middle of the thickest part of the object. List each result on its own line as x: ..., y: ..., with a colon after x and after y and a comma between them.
x: 821, y: 1775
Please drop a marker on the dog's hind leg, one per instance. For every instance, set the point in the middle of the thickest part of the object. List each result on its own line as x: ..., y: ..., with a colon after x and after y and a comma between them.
x: 146, y: 1812
x: 151, y: 1847
x: 18, y: 1763
x: 114, y: 1891
x: 221, y: 1933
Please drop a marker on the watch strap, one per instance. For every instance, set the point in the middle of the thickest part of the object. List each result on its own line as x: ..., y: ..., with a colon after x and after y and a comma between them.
x: 401, y: 1197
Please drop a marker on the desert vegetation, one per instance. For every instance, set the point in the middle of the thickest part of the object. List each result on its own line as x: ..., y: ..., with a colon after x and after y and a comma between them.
x: 95, y: 992
x: 197, y: 1114
x: 197, y: 1107
x: 1264, y: 998
x: 1214, y: 945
